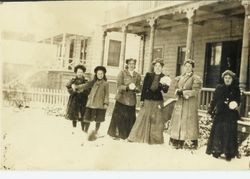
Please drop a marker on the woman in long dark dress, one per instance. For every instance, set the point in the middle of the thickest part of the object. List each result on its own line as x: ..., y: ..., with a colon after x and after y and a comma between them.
x: 223, y: 109
x: 78, y: 98
x: 149, y: 124
x: 123, y: 117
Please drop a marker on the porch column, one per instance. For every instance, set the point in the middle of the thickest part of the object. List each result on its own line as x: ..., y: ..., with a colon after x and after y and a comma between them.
x: 244, y: 51
x: 152, y: 23
x: 123, y: 47
x: 63, y: 56
x: 190, y: 15
x: 142, y: 52
x: 103, y: 46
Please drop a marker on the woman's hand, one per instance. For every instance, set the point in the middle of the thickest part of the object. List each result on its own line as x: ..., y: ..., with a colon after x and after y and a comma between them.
x: 179, y: 92
x: 73, y: 86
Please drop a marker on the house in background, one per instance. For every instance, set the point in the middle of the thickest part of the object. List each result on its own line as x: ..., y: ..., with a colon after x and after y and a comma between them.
x: 71, y: 51
x: 215, y: 34
x: 210, y: 32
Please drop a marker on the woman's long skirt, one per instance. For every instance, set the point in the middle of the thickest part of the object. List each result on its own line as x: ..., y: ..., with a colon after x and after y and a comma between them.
x: 149, y: 125
x: 122, y: 121
x: 223, y: 136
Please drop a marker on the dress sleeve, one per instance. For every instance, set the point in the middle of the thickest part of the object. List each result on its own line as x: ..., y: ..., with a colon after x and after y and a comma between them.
x: 120, y: 82
x: 106, y: 98
x: 195, y: 88
x: 68, y: 86
x: 143, y: 93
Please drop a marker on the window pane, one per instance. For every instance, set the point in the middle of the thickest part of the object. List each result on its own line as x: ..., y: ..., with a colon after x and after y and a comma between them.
x: 157, y: 53
x: 114, y: 53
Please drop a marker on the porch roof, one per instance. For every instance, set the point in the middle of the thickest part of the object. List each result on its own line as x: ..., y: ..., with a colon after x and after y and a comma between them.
x: 168, y: 17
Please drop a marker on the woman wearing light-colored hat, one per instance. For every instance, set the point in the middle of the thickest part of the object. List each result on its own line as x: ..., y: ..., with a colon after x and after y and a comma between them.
x: 224, y: 111
x: 184, y: 124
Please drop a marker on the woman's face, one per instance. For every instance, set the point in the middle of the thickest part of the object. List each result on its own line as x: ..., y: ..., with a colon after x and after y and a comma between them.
x: 131, y: 65
x: 228, y: 80
x: 100, y: 74
x: 79, y: 73
x: 188, y: 68
x: 157, y: 68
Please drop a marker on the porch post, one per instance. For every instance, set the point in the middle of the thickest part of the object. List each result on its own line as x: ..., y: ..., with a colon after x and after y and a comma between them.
x: 244, y: 51
x: 103, y: 46
x: 63, y: 56
x: 152, y: 23
x: 142, y: 54
x: 190, y: 15
x: 123, y: 47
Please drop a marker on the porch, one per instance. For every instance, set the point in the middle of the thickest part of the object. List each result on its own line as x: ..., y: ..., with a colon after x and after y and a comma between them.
x: 214, y: 33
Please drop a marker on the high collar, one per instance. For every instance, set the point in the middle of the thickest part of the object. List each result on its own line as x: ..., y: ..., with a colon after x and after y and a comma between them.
x: 131, y: 73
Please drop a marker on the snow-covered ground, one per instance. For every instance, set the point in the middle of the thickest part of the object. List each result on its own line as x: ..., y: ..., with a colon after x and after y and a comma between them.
x: 34, y: 140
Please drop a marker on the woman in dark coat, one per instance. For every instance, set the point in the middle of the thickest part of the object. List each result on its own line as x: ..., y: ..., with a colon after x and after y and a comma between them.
x: 149, y: 124
x: 223, y: 109
x: 78, y: 98
x: 123, y: 117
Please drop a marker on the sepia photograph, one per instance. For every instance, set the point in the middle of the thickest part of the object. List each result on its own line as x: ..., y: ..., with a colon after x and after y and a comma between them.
x: 125, y: 85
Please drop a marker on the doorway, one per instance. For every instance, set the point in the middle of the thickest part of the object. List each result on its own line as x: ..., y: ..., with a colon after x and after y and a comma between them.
x: 221, y: 56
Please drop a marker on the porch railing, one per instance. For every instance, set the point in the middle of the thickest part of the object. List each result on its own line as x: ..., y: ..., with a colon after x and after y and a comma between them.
x: 60, y: 97
x: 205, y: 97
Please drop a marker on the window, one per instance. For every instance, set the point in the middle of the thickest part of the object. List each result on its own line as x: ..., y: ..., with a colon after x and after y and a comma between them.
x: 83, y: 52
x: 114, y: 53
x: 71, y: 48
x: 158, y: 53
x: 180, y: 59
x: 216, y: 54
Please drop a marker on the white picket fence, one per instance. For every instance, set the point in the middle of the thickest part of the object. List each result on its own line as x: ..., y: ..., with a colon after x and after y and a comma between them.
x: 35, y: 95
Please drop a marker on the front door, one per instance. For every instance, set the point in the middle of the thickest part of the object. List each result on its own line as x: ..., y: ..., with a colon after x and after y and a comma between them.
x: 221, y: 56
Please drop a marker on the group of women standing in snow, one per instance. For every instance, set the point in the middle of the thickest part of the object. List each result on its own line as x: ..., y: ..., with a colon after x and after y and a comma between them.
x: 89, y: 100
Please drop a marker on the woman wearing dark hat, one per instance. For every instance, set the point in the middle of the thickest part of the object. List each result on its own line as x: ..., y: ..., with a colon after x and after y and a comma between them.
x: 123, y: 117
x: 98, y: 99
x: 78, y: 98
x: 184, y: 124
x: 223, y: 109
x: 149, y: 124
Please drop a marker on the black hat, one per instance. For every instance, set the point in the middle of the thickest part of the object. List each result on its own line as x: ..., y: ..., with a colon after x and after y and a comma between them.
x: 130, y: 59
x: 158, y: 60
x: 102, y: 68
x: 83, y: 68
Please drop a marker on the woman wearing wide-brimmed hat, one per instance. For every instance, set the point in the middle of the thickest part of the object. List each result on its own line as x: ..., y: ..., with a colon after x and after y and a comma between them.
x: 149, y: 124
x: 224, y: 111
x: 184, y: 124
x: 78, y: 98
x: 123, y: 117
